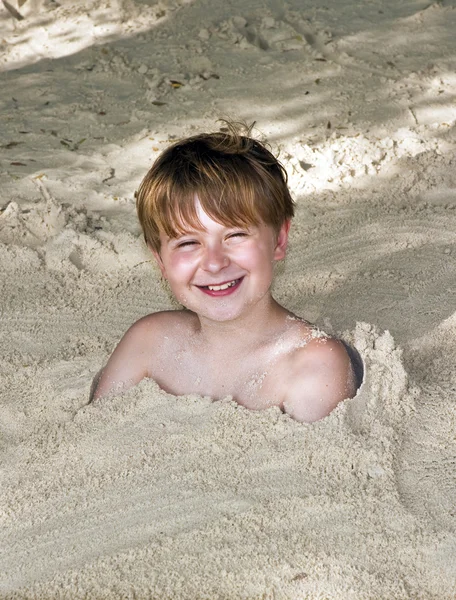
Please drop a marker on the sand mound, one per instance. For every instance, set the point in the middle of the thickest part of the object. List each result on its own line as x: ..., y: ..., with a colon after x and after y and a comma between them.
x: 170, y: 495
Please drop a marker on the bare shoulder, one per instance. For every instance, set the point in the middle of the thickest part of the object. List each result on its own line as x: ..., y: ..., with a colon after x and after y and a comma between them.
x: 320, y: 376
x: 145, y: 332
x: 162, y: 321
x: 129, y: 363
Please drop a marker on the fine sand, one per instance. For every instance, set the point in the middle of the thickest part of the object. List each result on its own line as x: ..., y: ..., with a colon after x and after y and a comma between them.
x: 147, y: 495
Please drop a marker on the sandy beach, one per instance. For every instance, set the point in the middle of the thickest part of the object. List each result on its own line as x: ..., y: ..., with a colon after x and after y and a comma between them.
x: 151, y: 496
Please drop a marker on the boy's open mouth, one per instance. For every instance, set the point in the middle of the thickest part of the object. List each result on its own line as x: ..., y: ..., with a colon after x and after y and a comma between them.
x: 222, y: 289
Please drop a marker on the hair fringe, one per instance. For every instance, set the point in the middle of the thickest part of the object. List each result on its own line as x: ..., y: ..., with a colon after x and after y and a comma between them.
x: 237, y: 178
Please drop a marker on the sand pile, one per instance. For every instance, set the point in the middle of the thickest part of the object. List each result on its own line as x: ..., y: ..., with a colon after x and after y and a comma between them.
x: 182, y: 497
x: 151, y: 496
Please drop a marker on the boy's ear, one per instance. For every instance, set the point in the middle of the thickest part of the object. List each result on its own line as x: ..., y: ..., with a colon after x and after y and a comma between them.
x: 158, y: 260
x: 282, y: 241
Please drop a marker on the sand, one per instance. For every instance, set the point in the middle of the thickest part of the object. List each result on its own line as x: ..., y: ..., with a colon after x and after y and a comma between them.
x: 147, y: 495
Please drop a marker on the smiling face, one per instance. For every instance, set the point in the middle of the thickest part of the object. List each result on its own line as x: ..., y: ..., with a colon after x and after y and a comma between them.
x: 221, y: 272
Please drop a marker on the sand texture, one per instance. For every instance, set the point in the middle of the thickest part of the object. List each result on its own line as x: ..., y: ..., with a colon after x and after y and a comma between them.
x: 148, y: 495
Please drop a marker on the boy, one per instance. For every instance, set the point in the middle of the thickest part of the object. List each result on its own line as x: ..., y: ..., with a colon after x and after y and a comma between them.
x: 215, y: 210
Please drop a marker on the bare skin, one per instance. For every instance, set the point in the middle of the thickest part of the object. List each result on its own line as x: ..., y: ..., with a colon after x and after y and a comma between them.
x: 305, y: 376
x: 236, y: 341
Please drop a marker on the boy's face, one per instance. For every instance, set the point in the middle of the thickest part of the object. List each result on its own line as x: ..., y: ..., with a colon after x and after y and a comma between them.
x: 221, y: 272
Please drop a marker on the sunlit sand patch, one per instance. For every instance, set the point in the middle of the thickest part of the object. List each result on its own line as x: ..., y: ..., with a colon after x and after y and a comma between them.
x: 68, y: 30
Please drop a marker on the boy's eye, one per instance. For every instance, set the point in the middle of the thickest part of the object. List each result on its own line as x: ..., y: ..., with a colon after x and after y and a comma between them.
x: 186, y: 243
x: 238, y: 234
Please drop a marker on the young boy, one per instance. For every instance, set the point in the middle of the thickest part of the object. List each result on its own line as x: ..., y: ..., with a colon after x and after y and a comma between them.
x: 215, y: 210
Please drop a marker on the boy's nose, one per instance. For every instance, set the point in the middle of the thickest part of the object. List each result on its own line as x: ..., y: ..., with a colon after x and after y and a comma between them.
x: 215, y: 259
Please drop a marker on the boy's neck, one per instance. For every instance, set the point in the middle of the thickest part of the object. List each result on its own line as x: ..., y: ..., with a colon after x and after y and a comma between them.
x: 245, y: 332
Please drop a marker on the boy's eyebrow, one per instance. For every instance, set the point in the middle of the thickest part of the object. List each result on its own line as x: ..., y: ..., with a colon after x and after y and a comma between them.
x: 194, y: 230
x: 183, y: 233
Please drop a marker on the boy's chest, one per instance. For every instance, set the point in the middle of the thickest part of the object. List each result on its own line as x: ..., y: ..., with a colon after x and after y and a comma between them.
x: 255, y: 381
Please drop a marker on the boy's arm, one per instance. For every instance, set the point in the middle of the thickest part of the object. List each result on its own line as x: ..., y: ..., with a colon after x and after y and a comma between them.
x: 127, y: 365
x: 322, y: 376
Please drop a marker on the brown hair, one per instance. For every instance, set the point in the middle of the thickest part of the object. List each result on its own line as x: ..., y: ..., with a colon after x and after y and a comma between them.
x: 236, y: 179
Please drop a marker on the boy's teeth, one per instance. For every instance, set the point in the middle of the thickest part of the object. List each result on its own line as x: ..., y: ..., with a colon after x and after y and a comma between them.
x: 225, y: 286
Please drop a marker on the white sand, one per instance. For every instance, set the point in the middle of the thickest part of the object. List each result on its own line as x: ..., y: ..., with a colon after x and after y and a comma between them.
x: 152, y: 496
